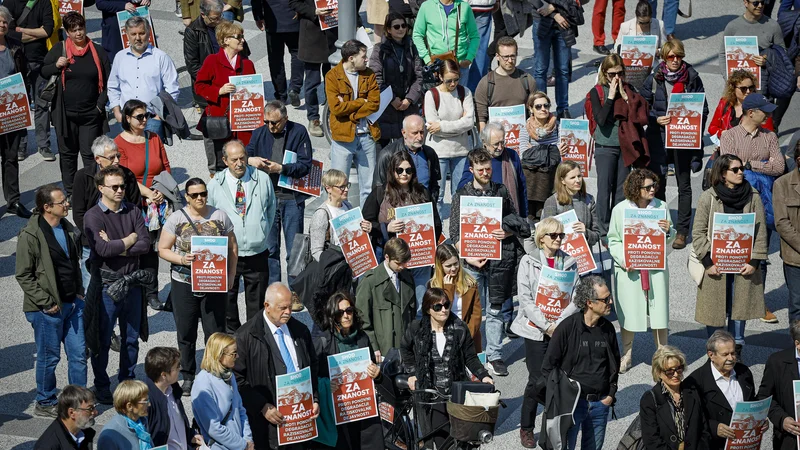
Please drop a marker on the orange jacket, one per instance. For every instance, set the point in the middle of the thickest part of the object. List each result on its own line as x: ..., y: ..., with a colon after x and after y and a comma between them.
x: 346, y: 113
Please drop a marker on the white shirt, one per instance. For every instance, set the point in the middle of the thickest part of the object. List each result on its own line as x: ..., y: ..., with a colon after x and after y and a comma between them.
x: 730, y: 388
x: 455, y: 307
x: 177, y: 432
x: 231, y: 181
x: 287, y: 339
x: 440, y: 342
x: 392, y: 275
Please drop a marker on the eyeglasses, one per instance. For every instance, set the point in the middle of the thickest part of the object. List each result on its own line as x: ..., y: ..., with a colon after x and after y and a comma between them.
x: 90, y: 408
x: 144, y: 402
x: 555, y: 236
x: 349, y: 311
x: 674, y: 57
x: 545, y: 106
x: 746, y: 89
x: 400, y: 26
x: 238, y: 37
x: 116, y: 187
x: 407, y: 170
x: 144, y: 116
x: 440, y: 306
x: 756, y: 3
x: 274, y: 123
x: 615, y: 74
x: 64, y: 202
x: 112, y: 157
x: 194, y: 195
x: 452, y: 81
x: 507, y: 57
x: 343, y: 187
x: 736, y: 169
x: 233, y: 354
x: 606, y: 299
x: 213, y: 19
x: 677, y: 370
x: 496, y: 145
x: 650, y: 187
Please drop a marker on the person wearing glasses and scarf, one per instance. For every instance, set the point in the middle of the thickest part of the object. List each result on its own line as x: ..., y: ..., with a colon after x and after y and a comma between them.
x: 128, y: 429
x: 540, y: 160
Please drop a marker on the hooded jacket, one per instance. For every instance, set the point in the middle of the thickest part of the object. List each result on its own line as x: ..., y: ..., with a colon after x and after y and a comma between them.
x: 435, y: 31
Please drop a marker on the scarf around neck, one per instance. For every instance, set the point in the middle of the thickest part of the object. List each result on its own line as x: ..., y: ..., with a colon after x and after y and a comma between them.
x: 533, y: 130
x: 73, y: 51
x: 681, y: 76
x: 510, y: 178
x: 735, y: 199
x: 138, y: 427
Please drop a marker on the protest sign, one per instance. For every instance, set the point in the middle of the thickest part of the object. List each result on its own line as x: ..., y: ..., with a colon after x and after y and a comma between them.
x: 331, y: 20
x: 554, y: 292
x: 296, y: 404
x: 575, y: 243
x: 247, y: 102
x: 644, y: 242
x: 685, y: 129
x: 580, y: 147
x: 210, y: 264
x: 123, y: 16
x: 732, y: 241
x: 311, y: 184
x: 739, y: 53
x: 479, y: 217
x: 355, y: 243
x: 352, y: 389
x: 638, y: 54
x: 419, y: 232
x: 15, y: 112
x: 749, y: 423
x: 67, y: 6
x: 513, y: 120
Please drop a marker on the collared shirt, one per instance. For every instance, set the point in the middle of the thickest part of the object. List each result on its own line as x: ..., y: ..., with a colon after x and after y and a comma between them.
x: 759, y: 148
x: 421, y: 165
x: 231, y: 181
x: 287, y: 339
x: 392, y: 276
x: 141, y: 77
x: 177, y: 432
x: 730, y: 388
x: 105, y: 208
x: 78, y: 438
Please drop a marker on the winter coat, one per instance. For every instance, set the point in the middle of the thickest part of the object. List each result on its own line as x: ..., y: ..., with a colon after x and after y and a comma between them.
x: 787, y: 216
x: 158, y: 419
x: 631, y: 306
x: 321, y: 279
x: 503, y: 272
x: 748, y: 295
x: 405, y: 84
x: 658, y: 421
x: 471, y: 311
x: 346, y: 114
x: 384, y: 159
x: 780, y: 372
x: 315, y: 45
x: 584, y: 208
x: 296, y: 140
x: 372, y: 209
x: 384, y: 311
x: 435, y: 32
x: 57, y: 437
x: 530, y: 322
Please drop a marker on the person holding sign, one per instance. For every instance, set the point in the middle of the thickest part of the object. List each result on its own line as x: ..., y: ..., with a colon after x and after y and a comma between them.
x: 780, y: 371
x: 673, y: 76
x: 539, y: 315
x: 337, y: 187
x: 436, y: 350
x: 642, y: 293
x: 571, y: 195
x: 730, y: 193
x: 174, y: 247
x: 643, y: 24
x: 729, y: 111
x: 461, y: 287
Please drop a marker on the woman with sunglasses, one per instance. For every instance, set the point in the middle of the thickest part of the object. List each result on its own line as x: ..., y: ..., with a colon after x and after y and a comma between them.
x: 672, y: 412
x: 461, y: 287
x: 397, y: 66
x: 341, y: 332
x: 532, y: 322
x: 449, y: 119
x: 175, y: 247
x: 643, y: 24
x: 436, y: 351
x: 729, y: 112
x: 539, y: 162
x: 635, y: 304
x: 213, y: 85
x: 743, y: 292
x: 673, y: 76
x: 571, y: 195
x: 337, y: 187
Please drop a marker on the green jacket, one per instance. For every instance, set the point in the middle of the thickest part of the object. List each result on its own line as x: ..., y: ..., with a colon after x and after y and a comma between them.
x: 429, y: 28
x: 385, y: 312
x: 35, y: 272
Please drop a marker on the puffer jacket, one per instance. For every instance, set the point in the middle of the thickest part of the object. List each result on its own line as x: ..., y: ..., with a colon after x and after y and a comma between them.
x: 405, y: 79
x: 503, y: 272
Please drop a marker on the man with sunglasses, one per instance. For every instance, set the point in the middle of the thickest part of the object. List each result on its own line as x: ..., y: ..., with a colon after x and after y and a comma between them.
x: 504, y: 86
x: 72, y: 429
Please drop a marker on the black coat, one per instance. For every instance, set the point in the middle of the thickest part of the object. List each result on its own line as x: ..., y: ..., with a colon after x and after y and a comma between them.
x: 158, y: 423
x: 658, y: 425
x: 385, y: 158
x: 779, y: 373
x: 258, y: 364
x: 372, y: 208
x: 56, y: 437
x: 715, y: 406
x: 315, y: 45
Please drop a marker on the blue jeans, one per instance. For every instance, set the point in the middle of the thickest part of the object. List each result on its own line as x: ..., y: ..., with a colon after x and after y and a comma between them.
x: 464, y: 76
x: 541, y: 64
x: 289, y: 216
x: 590, y: 419
x: 669, y: 15
x: 228, y: 15
x: 155, y: 126
x: 87, y: 277
x: 421, y: 277
x: 735, y: 327
x: 496, y: 319
x: 480, y: 65
x: 792, y: 275
x: 455, y: 167
x: 363, y: 150
x: 49, y: 331
x: 129, y: 313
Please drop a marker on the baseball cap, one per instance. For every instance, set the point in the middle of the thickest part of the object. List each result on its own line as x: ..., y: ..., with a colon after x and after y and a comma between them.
x: 758, y: 101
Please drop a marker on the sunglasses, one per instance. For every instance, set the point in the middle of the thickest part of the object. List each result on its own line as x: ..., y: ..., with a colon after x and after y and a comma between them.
x: 238, y: 37
x: 615, y: 74
x: 400, y: 26
x: 606, y: 299
x: 650, y: 187
x: 343, y: 187
x: 452, y: 81
x: 555, y: 236
x: 349, y: 311
x: 671, y: 372
x: 112, y: 157
x: 144, y: 116
x: 756, y: 3
x: 194, y: 195
x: 736, y: 169
x: 674, y: 57
x: 440, y: 306
x: 116, y: 187
x: 544, y: 106
x: 408, y: 170
x: 746, y: 89
x: 233, y: 354
x: 274, y: 123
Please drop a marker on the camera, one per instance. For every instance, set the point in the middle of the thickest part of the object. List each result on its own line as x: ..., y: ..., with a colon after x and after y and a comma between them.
x: 430, y: 74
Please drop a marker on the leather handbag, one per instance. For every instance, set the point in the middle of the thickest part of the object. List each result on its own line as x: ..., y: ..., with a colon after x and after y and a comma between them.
x: 300, y: 255
x: 216, y: 127
x: 48, y: 92
x: 452, y: 54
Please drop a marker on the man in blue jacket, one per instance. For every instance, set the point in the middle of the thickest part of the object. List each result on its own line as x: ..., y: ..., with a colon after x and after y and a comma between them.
x: 267, y: 151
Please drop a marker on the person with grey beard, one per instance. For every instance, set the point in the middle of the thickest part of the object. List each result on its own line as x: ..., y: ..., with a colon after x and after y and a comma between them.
x: 72, y: 429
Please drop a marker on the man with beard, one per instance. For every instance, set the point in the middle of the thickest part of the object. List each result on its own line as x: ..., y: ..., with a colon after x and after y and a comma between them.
x: 72, y: 428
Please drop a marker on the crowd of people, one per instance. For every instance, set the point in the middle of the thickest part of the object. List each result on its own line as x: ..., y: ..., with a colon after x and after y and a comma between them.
x: 85, y: 278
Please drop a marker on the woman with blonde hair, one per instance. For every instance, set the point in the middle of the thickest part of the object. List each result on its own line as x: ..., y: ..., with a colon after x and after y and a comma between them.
x: 540, y: 160
x: 337, y: 186
x: 571, y: 195
x: 128, y: 429
x: 216, y: 402
x: 459, y: 286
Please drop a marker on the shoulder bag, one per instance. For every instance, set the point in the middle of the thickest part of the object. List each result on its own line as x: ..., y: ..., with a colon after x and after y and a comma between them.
x: 181, y: 269
x: 300, y: 254
x: 452, y: 54
x: 48, y: 92
x: 215, y: 128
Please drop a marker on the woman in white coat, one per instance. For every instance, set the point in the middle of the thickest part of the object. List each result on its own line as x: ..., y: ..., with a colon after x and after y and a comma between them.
x: 644, y: 24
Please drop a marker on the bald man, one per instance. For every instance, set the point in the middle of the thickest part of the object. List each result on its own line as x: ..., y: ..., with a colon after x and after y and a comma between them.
x: 425, y: 160
x: 271, y: 343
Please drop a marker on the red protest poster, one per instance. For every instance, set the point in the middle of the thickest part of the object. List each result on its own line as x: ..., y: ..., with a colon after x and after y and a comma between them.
x: 15, y: 113
x: 247, y: 103
x: 66, y: 6
x: 355, y: 243
x: 575, y: 134
x: 352, y: 389
x: 644, y: 242
x: 685, y: 129
x: 479, y: 217
x: 210, y: 264
x: 310, y: 184
x: 575, y: 244
x: 296, y: 403
x: 739, y: 53
x: 418, y: 232
x: 638, y: 55
x: 732, y: 241
x: 332, y: 19
x: 386, y: 411
x: 554, y: 292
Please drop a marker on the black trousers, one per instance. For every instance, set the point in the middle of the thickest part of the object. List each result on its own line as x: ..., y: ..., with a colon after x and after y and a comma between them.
x: 187, y: 309
x: 277, y: 69
x: 255, y: 272
x: 9, y: 143
x: 81, y: 130
x: 534, y: 355
x: 613, y: 172
x: 683, y: 174
x: 314, y: 74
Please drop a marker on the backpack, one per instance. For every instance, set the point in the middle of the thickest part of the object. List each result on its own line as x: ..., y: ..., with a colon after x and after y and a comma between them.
x: 587, y: 107
x: 460, y: 92
x: 632, y: 439
x: 525, y: 85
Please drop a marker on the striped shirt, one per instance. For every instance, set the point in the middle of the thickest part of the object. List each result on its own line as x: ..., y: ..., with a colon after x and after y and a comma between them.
x: 760, y: 148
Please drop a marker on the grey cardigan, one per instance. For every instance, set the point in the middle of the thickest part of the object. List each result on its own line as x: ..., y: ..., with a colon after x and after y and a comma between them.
x: 584, y: 209
x: 117, y: 436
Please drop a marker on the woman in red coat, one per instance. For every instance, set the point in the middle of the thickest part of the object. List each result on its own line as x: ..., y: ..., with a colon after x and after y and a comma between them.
x: 729, y: 111
x: 212, y: 84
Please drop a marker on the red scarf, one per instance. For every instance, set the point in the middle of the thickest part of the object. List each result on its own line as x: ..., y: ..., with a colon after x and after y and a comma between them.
x: 72, y: 51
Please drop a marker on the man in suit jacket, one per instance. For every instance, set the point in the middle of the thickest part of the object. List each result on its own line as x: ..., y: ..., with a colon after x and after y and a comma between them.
x: 262, y: 357
x: 722, y: 382
x: 386, y: 298
x: 780, y: 371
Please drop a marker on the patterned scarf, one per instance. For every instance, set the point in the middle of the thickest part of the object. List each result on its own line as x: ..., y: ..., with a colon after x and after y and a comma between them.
x: 681, y: 76
x: 138, y: 427
x: 538, y: 133
x: 677, y: 412
x: 510, y: 178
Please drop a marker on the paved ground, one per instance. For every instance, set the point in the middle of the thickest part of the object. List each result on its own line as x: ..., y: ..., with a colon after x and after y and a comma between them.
x: 701, y: 34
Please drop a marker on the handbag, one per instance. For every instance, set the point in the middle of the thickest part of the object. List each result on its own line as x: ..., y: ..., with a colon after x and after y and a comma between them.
x: 452, y: 54
x: 693, y: 264
x: 48, y: 92
x: 216, y: 128
x: 300, y: 255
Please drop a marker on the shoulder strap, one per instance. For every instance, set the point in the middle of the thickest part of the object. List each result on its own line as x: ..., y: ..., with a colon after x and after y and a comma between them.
x: 489, y: 87
x: 462, y: 93
x: 146, y: 158
x: 458, y: 26
x: 525, y: 84
x: 25, y: 12
x: 435, y: 94
x: 191, y: 222
x: 600, y: 93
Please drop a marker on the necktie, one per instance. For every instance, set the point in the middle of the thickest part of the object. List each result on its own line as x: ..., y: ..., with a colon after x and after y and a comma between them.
x: 287, y: 357
x: 241, y: 204
x: 396, y: 282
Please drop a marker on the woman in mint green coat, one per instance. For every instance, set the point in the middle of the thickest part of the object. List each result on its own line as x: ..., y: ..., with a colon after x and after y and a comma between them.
x: 633, y: 304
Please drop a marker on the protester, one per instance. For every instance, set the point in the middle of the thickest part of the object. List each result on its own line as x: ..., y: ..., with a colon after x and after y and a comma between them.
x: 47, y: 271
x: 272, y: 343
x: 397, y: 66
x: 459, y: 286
x: 267, y: 152
x: 571, y: 195
x: 353, y: 94
x: 216, y: 402
x: 436, y: 350
x: 282, y: 28
x: 643, y: 24
x: 506, y: 85
x: 386, y: 297
x: 449, y: 120
x: 599, y: 20
x: 175, y: 247
x: 438, y: 32
x: 127, y: 430
x: 585, y: 346
x: 213, y: 84
x: 540, y: 160
x: 244, y: 194
x: 730, y: 193
x: 779, y: 377
x: 722, y: 382
x: 495, y: 277
x: 72, y: 428
x: 672, y: 412
x: 426, y: 161
x: 320, y: 232
x: 729, y: 111
x: 787, y: 222
x: 531, y: 322
x: 78, y: 107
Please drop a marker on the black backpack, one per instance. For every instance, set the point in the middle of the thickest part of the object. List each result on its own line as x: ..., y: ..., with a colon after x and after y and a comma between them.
x: 525, y: 85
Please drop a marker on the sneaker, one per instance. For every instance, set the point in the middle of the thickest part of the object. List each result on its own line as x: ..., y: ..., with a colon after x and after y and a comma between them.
x: 116, y: 344
x: 103, y: 396
x: 186, y: 386
x: 671, y: 170
x: 294, y: 99
x: 498, y: 368
x: 47, y: 155
x: 178, y: 12
x: 46, y: 411
x: 297, y: 305
x: 526, y: 438
x: 769, y: 317
x: 315, y: 128
x: 21, y: 155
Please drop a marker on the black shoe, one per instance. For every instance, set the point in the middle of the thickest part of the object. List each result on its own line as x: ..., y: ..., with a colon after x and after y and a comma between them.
x: 509, y: 333
x: 47, y: 155
x: 498, y: 368
x: 187, y: 388
x: 601, y: 49
x: 168, y: 305
x: 564, y: 114
x: 115, y: 343
x: 103, y: 396
x: 194, y: 137
x: 294, y: 99
x: 155, y: 304
x: 46, y: 411
x: 19, y: 210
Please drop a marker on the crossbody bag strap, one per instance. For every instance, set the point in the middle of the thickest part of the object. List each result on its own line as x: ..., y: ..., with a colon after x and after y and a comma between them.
x: 26, y: 12
x: 146, y: 159
x: 458, y: 27
x: 191, y: 222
